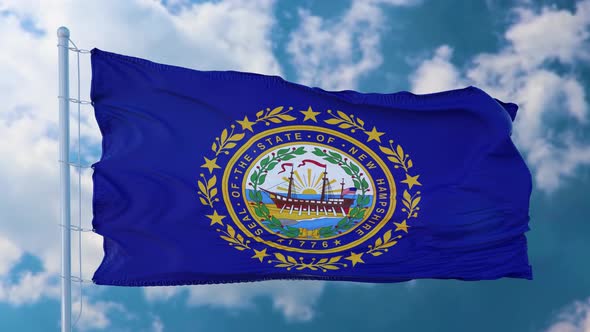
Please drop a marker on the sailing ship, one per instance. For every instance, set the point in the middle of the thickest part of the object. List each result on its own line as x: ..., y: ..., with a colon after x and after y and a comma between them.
x: 325, y: 206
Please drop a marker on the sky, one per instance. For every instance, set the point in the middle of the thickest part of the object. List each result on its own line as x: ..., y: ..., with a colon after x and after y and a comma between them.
x: 531, y: 52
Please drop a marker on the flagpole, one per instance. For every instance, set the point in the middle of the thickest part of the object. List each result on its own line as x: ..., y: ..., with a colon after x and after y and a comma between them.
x: 63, y: 36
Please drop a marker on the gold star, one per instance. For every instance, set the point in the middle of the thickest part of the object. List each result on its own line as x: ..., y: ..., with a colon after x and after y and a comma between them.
x: 411, y: 181
x: 401, y: 226
x: 336, y: 242
x: 260, y: 254
x: 210, y: 164
x: 374, y: 135
x: 310, y: 114
x: 246, y: 124
x: 215, y: 218
x: 355, y: 258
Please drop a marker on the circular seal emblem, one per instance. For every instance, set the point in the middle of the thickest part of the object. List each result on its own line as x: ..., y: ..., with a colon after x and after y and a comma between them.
x: 308, y: 189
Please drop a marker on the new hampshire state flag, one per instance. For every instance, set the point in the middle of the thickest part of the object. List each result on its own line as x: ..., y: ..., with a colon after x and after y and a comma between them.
x: 223, y: 176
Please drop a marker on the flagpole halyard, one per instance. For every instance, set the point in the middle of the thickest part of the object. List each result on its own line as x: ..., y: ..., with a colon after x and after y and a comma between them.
x: 63, y: 35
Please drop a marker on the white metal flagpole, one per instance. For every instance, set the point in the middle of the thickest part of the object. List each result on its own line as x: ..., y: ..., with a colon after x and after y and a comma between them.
x: 63, y: 36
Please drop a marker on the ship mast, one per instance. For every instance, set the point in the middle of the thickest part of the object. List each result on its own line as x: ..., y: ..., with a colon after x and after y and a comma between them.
x: 342, y: 190
x: 290, y: 184
x: 325, y: 179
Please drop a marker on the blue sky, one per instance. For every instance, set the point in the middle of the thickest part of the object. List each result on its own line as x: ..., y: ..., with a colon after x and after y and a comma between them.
x: 534, y: 53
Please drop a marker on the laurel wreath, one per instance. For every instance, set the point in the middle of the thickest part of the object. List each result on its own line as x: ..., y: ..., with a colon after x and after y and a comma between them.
x: 382, y: 244
x: 324, y: 264
x: 235, y: 239
x: 276, y: 115
x: 207, y: 190
x: 228, y: 140
x: 345, y: 121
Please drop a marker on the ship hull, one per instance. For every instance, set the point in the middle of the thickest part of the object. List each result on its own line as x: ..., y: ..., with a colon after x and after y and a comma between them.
x: 312, y: 207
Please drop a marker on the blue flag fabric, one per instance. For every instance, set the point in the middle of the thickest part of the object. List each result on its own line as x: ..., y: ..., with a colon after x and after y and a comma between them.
x: 222, y: 176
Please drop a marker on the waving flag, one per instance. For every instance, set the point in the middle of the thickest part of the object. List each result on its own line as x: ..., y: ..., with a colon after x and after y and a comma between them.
x: 349, y: 191
x: 190, y: 187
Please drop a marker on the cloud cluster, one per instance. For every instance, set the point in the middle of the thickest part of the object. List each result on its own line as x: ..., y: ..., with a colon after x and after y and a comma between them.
x: 575, y: 318
x: 229, y: 34
x: 237, y: 34
x: 336, y: 53
x: 96, y: 315
x: 294, y: 299
x: 537, y: 70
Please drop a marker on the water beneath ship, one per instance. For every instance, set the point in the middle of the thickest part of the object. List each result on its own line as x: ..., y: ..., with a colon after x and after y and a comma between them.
x: 309, y: 222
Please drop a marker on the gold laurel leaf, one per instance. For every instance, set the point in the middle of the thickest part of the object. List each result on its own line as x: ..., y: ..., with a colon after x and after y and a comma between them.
x: 388, y: 244
x: 400, y: 152
x: 291, y: 260
x: 259, y: 113
x: 202, y: 187
x: 274, y: 120
x: 407, y: 196
x: 281, y: 257
x: 283, y: 265
x: 361, y: 122
x: 231, y: 231
x: 415, y: 202
x: 410, y: 163
x: 240, y: 238
x: 378, y: 242
x: 228, y: 239
x: 406, y: 204
x: 333, y: 121
x: 230, y: 145
x: 240, y: 248
x: 387, y: 236
x: 214, y: 147
x: 203, y: 201
x: 344, y: 116
x: 286, y: 117
x: 330, y: 267
x: 334, y: 259
x: 276, y: 111
x: 322, y: 261
x: 213, y: 192
x: 377, y: 253
x: 223, y: 136
x: 386, y: 150
x: 345, y: 126
x: 212, y: 181
x: 236, y: 137
x: 394, y: 159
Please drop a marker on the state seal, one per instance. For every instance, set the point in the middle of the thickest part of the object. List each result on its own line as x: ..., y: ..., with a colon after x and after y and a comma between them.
x: 315, y: 192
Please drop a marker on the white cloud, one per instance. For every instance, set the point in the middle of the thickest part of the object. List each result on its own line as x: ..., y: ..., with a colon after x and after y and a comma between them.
x: 337, y: 53
x: 522, y: 72
x: 96, y: 315
x: 10, y: 254
x: 436, y: 74
x: 229, y: 34
x: 575, y: 318
x: 551, y: 34
x: 29, y: 288
x: 296, y: 300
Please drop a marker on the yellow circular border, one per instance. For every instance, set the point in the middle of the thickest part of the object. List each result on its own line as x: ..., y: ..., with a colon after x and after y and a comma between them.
x: 378, y: 160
